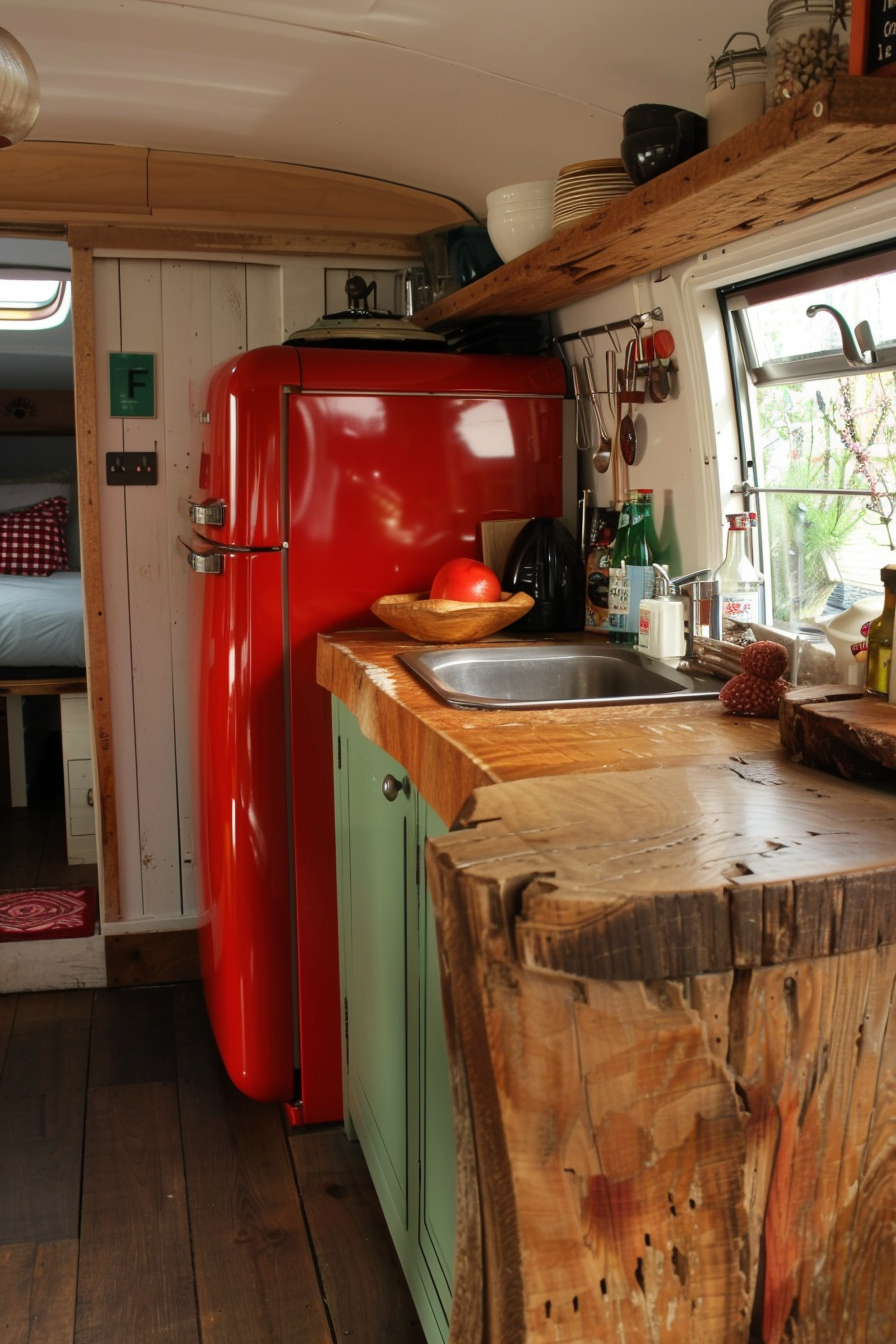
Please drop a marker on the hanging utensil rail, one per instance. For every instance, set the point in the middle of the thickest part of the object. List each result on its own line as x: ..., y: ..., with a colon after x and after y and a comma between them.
x: 655, y: 315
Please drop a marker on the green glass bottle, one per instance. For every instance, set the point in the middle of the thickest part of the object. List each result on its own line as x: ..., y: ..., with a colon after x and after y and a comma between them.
x: 639, y: 563
x: 880, y: 638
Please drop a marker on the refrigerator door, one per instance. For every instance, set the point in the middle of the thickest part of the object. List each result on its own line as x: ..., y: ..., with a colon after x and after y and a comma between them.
x: 241, y: 787
x: 382, y: 489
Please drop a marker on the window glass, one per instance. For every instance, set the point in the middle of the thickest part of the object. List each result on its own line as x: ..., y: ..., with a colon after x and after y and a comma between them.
x: 35, y: 298
x: 819, y: 432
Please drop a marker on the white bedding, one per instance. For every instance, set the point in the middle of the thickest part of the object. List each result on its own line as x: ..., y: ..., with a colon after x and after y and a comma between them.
x: 42, y: 620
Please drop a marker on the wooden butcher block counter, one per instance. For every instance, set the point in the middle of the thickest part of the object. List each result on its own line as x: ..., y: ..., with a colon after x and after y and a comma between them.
x: 668, y: 963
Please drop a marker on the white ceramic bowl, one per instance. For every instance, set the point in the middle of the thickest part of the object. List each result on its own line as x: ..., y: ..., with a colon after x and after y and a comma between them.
x: 516, y: 231
x: 527, y: 192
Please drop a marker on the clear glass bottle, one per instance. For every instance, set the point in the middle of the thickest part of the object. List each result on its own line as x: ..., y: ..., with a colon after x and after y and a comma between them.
x: 740, y: 583
x: 617, y: 594
x: 880, y: 638
x: 808, y: 42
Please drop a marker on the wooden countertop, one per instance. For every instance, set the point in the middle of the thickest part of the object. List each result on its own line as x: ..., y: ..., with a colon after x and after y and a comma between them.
x: 667, y: 1001
x: 450, y: 752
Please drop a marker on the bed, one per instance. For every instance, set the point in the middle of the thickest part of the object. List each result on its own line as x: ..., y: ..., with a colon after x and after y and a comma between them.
x: 41, y: 622
x: 42, y: 646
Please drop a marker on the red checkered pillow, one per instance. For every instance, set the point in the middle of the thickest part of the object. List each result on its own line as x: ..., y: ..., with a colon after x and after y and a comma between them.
x: 32, y: 540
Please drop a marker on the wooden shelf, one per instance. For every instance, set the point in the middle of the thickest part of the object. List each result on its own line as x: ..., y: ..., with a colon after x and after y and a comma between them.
x: 834, y: 144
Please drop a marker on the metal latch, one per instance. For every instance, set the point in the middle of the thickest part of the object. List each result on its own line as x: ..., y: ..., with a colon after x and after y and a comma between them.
x: 208, y: 515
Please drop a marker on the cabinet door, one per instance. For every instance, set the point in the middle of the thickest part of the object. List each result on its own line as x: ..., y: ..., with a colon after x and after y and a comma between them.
x: 438, y: 1166
x: 379, y: 834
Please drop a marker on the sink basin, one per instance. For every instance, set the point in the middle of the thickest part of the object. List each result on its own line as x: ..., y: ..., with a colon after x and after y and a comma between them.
x: 553, y: 675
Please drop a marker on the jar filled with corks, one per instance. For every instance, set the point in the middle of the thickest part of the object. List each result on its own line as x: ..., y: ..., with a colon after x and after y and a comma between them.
x: 808, y: 43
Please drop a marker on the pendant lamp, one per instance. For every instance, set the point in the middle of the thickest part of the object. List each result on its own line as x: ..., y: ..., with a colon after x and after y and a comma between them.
x: 19, y: 91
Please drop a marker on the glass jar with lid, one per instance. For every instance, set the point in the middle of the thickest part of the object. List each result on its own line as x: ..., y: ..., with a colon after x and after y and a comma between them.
x: 808, y: 42
x: 735, y: 88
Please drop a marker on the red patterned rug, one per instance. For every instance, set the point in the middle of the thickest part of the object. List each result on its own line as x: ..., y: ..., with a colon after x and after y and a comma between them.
x: 47, y: 912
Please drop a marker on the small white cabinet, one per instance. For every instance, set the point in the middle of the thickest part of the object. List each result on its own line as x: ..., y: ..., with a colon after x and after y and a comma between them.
x: 77, y: 765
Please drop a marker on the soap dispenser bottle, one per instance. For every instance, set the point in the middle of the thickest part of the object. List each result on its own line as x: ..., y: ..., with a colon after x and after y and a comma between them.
x: 661, y: 631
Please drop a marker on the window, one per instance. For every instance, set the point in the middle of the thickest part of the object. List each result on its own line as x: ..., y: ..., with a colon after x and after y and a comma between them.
x: 38, y: 298
x: 814, y: 358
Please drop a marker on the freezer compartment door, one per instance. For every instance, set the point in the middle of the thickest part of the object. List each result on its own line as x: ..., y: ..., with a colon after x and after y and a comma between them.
x: 243, y: 877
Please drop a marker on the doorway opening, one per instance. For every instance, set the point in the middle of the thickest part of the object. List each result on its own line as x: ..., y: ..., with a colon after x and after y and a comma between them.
x: 42, y: 652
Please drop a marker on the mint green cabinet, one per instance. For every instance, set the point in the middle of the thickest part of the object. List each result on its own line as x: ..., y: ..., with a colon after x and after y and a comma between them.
x: 396, y: 1082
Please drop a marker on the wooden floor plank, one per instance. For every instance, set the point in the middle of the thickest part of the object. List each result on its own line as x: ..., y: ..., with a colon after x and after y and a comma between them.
x: 42, y: 1088
x: 135, y: 1279
x: 255, y: 1274
x: 132, y: 1038
x: 8, y: 1003
x: 38, y: 1282
x: 369, y: 1300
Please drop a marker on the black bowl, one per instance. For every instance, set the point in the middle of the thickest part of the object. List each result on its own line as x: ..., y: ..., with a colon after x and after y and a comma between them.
x: 646, y: 154
x: 646, y: 116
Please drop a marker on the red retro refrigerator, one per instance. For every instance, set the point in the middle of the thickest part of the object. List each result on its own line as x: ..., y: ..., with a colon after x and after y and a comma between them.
x: 328, y: 478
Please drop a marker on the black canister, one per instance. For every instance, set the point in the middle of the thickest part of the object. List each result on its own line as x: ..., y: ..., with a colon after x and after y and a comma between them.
x: 546, y: 562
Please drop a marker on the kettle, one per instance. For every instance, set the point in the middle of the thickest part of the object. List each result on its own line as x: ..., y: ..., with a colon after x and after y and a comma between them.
x: 545, y: 562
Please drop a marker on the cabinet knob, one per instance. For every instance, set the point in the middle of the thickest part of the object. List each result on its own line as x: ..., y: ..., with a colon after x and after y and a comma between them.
x: 392, y: 787
x: 90, y: 797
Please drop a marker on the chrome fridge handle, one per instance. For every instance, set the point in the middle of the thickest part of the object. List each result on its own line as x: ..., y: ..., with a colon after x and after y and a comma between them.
x: 202, y: 562
x: 207, y: 515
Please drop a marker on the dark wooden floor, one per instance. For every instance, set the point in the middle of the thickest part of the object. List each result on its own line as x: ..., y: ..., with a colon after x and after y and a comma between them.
x: 143, y: 1198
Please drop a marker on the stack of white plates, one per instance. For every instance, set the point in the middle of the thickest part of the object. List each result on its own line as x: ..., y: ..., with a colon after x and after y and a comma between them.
x: 582, y: 188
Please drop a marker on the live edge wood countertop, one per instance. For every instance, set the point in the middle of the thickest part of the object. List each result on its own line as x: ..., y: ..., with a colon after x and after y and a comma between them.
x: 450, y: 752
x: 668, y: 964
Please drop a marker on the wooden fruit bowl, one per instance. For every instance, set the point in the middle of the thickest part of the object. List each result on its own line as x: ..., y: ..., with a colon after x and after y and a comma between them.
x: 438, y: 621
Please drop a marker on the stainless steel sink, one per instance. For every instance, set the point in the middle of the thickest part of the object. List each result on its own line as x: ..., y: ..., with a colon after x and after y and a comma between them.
x: 553, y: 675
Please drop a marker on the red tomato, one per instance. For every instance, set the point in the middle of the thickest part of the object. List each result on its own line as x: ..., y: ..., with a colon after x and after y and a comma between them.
x: 466, y: 581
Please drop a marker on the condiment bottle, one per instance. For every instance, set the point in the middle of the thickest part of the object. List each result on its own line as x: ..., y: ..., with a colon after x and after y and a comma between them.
x: 617, y: 592
x: 740, y: 582
x: 735, y: 88
x: 597, y: 569
x: 880, y: 639
x: 661, y: 621
x: 808, y: 41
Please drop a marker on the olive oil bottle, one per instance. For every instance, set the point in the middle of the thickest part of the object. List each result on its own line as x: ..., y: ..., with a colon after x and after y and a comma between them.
x: 880, y: 638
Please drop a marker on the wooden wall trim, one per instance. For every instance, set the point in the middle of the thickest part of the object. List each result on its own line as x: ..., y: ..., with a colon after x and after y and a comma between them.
x: 89, y: 481
x: 126, y: 236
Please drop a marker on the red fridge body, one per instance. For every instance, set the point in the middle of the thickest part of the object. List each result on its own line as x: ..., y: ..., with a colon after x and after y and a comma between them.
x: 328, y: 478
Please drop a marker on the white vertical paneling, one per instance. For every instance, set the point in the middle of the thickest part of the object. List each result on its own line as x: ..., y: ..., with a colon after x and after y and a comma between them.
x: 110, y: 438
x: 148, y: 565
x: 264, y: 306
x: 204, y: 322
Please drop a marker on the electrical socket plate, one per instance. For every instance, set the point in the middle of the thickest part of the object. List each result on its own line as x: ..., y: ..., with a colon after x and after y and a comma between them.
x: 132, y: 469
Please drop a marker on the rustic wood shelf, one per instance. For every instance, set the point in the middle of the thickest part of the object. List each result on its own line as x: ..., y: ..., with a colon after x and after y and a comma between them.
x: 831, y: 145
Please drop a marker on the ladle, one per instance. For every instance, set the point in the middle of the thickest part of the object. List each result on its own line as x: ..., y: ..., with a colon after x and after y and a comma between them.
x: 628, y: 438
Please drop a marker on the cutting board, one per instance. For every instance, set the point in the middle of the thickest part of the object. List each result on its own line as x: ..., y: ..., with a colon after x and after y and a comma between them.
x: 841, y: 730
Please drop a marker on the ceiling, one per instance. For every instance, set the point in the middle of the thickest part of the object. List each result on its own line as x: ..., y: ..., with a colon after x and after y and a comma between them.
x: 454, y: 96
